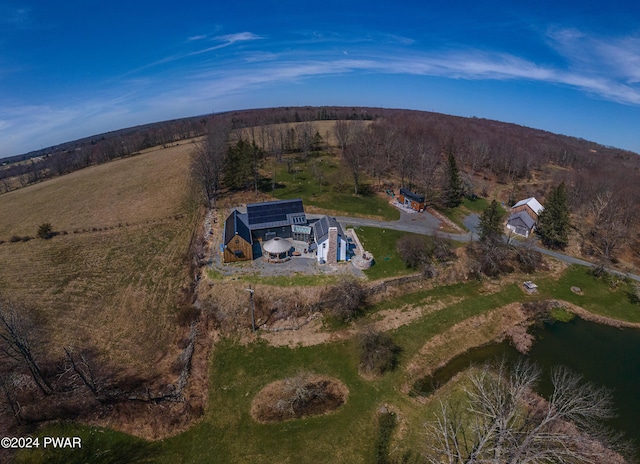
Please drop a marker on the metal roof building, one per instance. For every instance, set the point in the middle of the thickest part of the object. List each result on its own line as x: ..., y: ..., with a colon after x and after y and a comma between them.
x: 321, y: 228
x: 273, y: 214
x: 532, y: 203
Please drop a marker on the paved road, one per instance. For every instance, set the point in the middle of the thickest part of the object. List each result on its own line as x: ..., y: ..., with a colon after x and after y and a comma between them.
x: 426, y: 224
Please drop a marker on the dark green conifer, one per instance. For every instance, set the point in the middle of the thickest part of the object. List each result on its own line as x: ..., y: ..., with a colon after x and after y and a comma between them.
x: 553, y: 222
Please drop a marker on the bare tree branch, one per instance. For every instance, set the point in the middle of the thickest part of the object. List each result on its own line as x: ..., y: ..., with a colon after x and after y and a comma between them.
x: 18, y: 335
x: 504, y: 421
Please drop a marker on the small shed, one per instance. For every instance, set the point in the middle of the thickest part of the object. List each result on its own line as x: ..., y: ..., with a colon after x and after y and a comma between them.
x: 411, y: 200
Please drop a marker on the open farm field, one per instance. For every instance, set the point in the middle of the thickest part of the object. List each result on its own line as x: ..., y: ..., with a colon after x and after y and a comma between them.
x: 112, y: 277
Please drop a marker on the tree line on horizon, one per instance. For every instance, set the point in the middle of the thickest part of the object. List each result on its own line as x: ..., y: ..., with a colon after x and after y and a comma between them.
x: 413, y: 147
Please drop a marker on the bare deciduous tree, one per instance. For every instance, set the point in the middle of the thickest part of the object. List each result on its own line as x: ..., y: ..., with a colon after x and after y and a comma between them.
x: 501, y: 420
x: 343, y: 130
x: 9, y: 402
x: 85, y: 366
x: 414, y: 250
x: 527, y: 256
x: 378, y: 351
x: 208, y: 162
x: 612, y: 219
x: 359, y: 153
x: 18, y: 337
x: 304, y: 133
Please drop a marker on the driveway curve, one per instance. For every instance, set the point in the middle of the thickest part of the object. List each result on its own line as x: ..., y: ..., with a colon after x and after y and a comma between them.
x: 427, y: 224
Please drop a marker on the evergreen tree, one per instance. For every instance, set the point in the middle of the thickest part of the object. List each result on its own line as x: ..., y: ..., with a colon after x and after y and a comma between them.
x: 553, y: 222
x: 318, y: 142
x: 491, y: 222
x: 454, y: 189
x: 239, y: 165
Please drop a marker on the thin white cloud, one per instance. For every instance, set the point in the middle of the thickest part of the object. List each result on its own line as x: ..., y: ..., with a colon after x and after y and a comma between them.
x: 226, y: 41
x: 606, y: 68
x: 616, y: 58
x: 471, y: 65
x: 230, y: 39
x: 400, y: 39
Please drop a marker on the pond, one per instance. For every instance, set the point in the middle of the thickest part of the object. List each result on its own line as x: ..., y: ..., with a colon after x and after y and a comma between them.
x: 605, y: 355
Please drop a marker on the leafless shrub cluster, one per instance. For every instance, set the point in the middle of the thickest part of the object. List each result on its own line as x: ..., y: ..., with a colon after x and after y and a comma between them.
x: 298, y: 392
x: 414, y: 251
x: 378, y: 352
x: 300, y: 395
x: 345, y: 300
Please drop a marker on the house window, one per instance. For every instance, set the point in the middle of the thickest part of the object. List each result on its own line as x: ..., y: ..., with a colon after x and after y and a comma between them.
x: 237, y: 241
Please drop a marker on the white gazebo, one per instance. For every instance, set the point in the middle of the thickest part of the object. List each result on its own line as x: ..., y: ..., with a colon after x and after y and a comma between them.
x: 277, y: 249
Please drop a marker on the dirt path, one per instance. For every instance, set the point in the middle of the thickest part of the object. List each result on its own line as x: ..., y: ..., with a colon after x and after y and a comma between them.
x: 311, y: 333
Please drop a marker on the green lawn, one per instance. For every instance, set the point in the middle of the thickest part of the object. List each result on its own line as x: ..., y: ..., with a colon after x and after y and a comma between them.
x: 459, y: 290
x: 99, y: 446
x: 597, y: 295
x: 382, y: 244
x: 327, y: 185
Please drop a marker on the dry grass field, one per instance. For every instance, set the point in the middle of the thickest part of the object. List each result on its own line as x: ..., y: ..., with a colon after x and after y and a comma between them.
x: 114, y: 279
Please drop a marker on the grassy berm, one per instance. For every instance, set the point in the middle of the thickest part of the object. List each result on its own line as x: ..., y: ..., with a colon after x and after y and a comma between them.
x: 112, y: 276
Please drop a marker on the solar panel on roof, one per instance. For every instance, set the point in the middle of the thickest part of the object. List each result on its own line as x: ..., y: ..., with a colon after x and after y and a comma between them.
x: 270, y: 212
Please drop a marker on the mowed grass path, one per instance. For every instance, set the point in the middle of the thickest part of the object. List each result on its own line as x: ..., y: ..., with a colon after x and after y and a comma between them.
x: 114, y: 279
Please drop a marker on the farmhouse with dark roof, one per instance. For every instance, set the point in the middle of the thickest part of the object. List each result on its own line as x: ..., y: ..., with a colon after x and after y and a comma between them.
x: 282, y: 219
x: 263, y: 221
x: 329, y: 240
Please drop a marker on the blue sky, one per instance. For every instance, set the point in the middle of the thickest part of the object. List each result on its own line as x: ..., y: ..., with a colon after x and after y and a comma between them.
x: 77, y: 68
